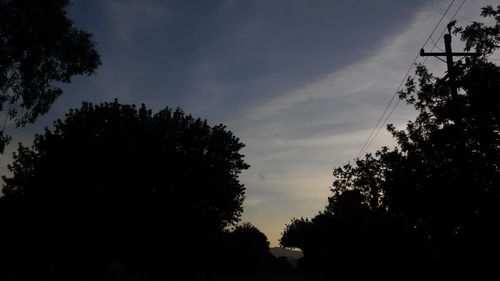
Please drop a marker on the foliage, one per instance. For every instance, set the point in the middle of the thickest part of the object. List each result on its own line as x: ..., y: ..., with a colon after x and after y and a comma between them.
x: 40, y: 49
x: 125, y: 184
x: 440, y: 186
x: 244, y: 250
x: 481, y: 37
x: 351, y: 242
x: 296, y: 234
x: 250, y: 237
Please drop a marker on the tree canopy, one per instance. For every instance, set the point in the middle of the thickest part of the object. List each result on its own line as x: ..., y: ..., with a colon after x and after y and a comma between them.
x: 125, y: 183
x: 40, y: 48
x: 243, y: 250
x: 440, y: 185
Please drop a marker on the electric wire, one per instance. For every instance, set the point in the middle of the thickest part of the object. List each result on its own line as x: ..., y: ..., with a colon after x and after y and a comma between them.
x: 398, y: 101
x: 444, y: 30
x: 371, y: 137
x: 436, y: 46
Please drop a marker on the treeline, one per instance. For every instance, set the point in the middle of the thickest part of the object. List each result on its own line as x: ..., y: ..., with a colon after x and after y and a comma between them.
x: 428, y: 209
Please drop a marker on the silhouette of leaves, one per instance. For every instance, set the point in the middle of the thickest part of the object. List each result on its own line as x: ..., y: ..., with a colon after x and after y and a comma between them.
x: 116, y: 184
x: 40, y: 49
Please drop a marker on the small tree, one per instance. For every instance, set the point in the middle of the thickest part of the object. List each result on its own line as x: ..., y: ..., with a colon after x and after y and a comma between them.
x: 39, y: 49
x: 250, y: 238
x: 243, y: 250
x: 115, y: 182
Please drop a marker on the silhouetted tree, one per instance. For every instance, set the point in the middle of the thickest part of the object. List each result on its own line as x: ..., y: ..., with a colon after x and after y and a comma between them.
x: 481, y: 37
x: 249, y: 238
x: 297, y: 234
x: 39, y: 48
x: 244, y: 251
x: 349, y: 241
x: 440, y: 186
x: 115, y: 184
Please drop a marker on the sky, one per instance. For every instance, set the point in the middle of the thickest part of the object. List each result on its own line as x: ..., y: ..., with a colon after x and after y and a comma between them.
x: 300, y: 82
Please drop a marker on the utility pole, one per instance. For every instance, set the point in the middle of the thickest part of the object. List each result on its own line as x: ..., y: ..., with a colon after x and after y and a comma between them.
x: 449, y: 58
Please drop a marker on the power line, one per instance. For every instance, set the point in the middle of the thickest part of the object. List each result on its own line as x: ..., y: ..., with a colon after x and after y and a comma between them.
x: 436, y: 46
x: 370, y: 138
x: 398, y: 101
x: 444, y: 30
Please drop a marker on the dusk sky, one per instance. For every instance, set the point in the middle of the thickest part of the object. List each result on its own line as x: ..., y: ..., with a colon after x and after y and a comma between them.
x: 301, y: 83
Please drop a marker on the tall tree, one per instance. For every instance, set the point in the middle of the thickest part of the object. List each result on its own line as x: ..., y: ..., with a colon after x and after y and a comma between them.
x: 114, y: 182
x: 39, y: 49
x: 441, y: 183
